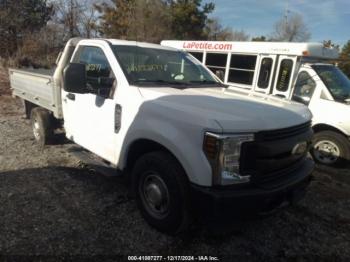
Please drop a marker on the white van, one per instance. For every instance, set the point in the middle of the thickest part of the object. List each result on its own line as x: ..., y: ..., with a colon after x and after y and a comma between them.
x: 302, y: 72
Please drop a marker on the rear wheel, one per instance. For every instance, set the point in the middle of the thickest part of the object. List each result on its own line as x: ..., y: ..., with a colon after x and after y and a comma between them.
x: 41, y: 126
x: 331, y: 148
x: 161, y: 189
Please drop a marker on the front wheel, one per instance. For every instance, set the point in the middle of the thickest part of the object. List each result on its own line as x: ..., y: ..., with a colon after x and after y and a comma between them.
x: 161, y: 189
x: 330, y: 148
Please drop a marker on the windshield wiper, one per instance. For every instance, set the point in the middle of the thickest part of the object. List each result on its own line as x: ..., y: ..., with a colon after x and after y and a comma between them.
x: 161, y: 81
x: 206, y: 82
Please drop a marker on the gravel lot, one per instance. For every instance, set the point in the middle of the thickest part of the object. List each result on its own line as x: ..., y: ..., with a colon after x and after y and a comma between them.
x: 51, y: 206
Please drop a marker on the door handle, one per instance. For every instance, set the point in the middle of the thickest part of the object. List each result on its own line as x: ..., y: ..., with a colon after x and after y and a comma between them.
x: 71, y: 96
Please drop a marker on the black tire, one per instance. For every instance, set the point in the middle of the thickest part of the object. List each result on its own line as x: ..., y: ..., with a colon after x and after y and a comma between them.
x: 333, y: 142
x: 41, y: 126
x: 161, y: 170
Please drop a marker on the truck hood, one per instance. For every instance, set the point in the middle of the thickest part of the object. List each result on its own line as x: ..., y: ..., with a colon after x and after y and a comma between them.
x: 233, y: 111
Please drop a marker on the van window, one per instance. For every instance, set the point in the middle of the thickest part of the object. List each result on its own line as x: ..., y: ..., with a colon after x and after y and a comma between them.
x: 197, y: 55
x: 335, y: 81
x: 265, y: 72
x: 216, y: 63
x: 284, y: 75
x: 242, y: 69
x: 304, y: 88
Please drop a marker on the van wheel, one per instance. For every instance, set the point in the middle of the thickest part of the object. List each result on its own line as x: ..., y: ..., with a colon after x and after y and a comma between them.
x: 41, y: 126
x: 330, y: 148
x: 162, y: 192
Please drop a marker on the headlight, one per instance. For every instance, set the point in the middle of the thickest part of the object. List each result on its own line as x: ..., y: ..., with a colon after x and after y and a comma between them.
x: 223, y: 153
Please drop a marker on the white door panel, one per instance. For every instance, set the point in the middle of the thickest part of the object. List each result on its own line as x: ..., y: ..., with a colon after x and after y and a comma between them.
x: 89, y: 118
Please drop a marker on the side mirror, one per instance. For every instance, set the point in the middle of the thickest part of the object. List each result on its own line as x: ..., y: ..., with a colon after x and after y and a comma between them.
x: 74, y: 78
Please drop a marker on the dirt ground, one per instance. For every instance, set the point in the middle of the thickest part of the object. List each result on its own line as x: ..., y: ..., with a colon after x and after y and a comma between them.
x: 53, y: 207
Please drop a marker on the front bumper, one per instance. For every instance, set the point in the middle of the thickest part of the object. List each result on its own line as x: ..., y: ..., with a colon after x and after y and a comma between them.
x: 241, y: 202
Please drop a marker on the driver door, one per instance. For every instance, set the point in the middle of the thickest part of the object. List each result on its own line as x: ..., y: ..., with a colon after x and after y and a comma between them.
x: 89, y: 118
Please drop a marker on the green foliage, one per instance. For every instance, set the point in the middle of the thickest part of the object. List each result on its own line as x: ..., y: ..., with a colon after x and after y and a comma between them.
x: 189, y: 18
x: 259, y: 39
x: 344, y: 65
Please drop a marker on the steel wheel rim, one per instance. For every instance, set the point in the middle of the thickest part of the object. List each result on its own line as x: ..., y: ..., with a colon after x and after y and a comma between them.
x: 326, y: 152
x: 36, y: 129
x: 155, y: 195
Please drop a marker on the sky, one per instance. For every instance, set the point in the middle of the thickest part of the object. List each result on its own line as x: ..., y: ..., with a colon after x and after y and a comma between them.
x: 325, y: 19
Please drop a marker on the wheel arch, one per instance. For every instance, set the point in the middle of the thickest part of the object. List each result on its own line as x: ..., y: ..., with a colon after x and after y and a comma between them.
x: 28, y: 107
x: 142, y: 146
x: 324, y: 127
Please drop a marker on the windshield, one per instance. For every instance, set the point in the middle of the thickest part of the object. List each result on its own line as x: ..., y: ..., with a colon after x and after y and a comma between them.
x: 335, y: 80
x: 149, y: 66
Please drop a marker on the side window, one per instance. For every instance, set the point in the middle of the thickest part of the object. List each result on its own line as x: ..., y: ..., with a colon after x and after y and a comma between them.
x: 284, y: 75
x: 217, y: 64
x: 198, y: 55
x: 242, y: 69
x: 98, y: 71
x: 304, y: 88
x: 265, y: 72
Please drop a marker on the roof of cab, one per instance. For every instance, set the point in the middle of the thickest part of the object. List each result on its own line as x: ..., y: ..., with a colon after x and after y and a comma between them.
x: 134, y: 43
x: 285, y: 48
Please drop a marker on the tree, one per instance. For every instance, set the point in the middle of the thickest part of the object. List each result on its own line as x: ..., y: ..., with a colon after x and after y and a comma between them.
x: 292, y: 29
x: 116, y: 18
x: 330, y: 44
x: 141, y: 20
x: 344, y: 65
x: 216, y: 32
x: 239, y: 35
x: 259, y: 39
x: 154, y: 20
x: 18, y: 18
x: 189, y: 18
x: 77, y: 18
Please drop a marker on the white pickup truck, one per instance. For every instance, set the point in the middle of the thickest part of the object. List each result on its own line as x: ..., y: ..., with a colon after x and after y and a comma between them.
x: 189, y: 145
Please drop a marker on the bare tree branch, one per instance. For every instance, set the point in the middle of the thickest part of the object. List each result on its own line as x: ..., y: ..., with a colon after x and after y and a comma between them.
x: 292, y: 29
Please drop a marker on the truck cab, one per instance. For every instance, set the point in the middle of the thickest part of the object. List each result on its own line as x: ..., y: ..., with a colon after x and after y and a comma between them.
x: 326, y: 90
x: 187, y: 144
x: 301, y: 72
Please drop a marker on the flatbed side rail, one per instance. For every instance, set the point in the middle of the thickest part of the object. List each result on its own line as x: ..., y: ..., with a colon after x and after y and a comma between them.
x: 36, y: 87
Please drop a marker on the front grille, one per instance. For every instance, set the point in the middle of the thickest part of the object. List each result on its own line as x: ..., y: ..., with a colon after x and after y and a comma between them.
x: 270, y: 157
x: 283, y: 133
